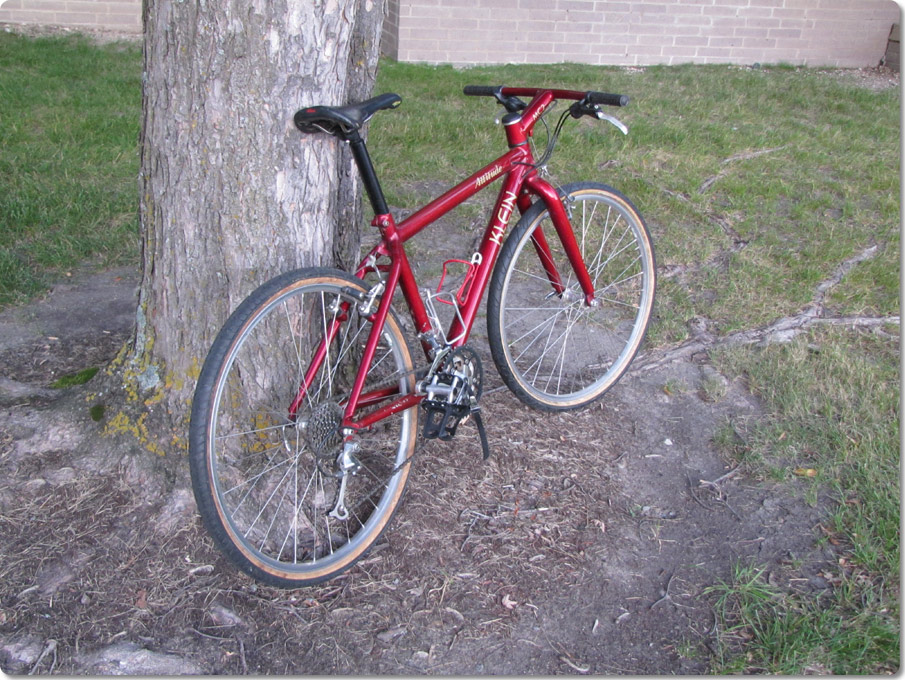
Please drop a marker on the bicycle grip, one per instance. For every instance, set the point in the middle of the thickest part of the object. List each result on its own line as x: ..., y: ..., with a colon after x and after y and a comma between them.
x: 481, y: 90
x: 607, y: 98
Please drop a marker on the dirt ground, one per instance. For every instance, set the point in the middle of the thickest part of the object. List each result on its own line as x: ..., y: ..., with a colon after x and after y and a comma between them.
x: 586, y: 544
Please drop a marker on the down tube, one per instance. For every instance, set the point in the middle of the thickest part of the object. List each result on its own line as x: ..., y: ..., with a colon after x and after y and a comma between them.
x: 506, y: 202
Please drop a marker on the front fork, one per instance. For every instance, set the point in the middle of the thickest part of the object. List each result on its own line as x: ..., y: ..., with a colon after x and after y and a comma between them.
x: 563, y: 226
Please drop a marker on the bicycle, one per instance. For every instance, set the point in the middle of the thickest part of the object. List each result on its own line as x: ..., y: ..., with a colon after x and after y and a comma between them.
x: 304, y: 420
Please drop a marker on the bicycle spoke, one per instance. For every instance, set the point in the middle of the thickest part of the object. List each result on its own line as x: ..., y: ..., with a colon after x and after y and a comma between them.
x: 276, y: 489
x: 559, y: 352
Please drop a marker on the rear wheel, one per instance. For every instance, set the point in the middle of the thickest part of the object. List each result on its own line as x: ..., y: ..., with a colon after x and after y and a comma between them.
x: 553, y: 350
x: 268, y: 482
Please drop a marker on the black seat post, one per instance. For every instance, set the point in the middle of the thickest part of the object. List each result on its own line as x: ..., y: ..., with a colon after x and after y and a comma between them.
x: 368, y: 176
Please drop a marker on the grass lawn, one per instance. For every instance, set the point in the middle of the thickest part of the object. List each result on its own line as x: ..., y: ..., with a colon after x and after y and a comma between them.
x: 69, y: 117
x: 768, y: 191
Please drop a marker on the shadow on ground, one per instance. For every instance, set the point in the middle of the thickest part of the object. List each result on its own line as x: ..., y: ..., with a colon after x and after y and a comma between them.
x: 585, y: 545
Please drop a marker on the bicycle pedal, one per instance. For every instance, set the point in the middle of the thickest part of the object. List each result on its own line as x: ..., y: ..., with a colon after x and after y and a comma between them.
x: 441, y: 420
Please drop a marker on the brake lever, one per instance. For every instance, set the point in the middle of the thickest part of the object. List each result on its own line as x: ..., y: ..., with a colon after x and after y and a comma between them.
x: 612, y: 119
x: 581, y: 108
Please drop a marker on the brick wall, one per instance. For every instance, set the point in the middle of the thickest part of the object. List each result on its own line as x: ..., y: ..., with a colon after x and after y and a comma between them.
x: 848, y: 33
x: 119, y: 15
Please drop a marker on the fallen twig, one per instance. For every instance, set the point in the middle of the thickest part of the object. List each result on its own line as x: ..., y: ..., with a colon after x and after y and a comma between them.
x: 665, y: 592
x: 50, y: 646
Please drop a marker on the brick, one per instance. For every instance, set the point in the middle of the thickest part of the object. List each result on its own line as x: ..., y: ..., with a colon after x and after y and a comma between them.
x: 724, y: 42
x: 761, y: 43
x: 744, y: 32
x: 726, y: 25
x: 76, y: 18
x: 537, y: 25
x: 690, y: 41
x: 796, y: 23
x: 647, y: 55
x: 582, y: 17
x: 784, y: 33
x: 691, y: 30
x: 84, y: 7
x: 611, y: 16
x: 756, y: 12
x: 649, y: 8
x: 651, y: 34
x: 510, y: 25
x: 575, y: 48
x: 694, y: 20
x: 545, y: 15
x: 123, y: 21
x: 685, y: 8
x: 124, y: 8
x: 683, y: 53
x: 574, y: 27
x: 544, y: 37
x: 720, y: 11
x: 535, y: 4
x: 576, y: 5
x: 785, y: 14
x: 43, y: 6
x: 605, y: 7
x: 721, y: 52
x: 655, y: 19
x: 27, y: 17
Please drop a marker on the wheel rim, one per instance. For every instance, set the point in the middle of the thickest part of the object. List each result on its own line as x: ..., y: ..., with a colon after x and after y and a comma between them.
x: 273, y: 489
x: 561, y: 351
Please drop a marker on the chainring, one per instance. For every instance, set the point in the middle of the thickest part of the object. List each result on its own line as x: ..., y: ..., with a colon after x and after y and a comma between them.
x: 465, y: 360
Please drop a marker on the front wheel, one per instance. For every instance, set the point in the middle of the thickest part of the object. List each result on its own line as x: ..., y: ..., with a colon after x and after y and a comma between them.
x: 551, y: 349
x: 280, y: 491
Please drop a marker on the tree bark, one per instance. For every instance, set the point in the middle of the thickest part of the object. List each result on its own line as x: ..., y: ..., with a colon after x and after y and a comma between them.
x: 231, y: 193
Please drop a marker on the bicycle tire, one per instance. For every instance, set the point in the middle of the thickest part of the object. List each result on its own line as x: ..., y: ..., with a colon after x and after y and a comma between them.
x: 554, y: 351
x: 264, y: 486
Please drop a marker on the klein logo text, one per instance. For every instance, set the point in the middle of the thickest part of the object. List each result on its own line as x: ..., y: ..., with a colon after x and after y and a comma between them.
x: 502, y: 217
x: 488, y: 176
x: 535, y: 116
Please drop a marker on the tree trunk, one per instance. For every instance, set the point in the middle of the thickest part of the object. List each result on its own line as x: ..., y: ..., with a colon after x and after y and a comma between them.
x: 231, y: 193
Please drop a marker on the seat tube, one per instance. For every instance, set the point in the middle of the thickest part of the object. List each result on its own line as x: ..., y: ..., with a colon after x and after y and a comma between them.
x: 368, y: 175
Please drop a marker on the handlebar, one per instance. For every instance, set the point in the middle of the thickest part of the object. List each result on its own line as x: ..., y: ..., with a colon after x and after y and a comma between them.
x: 591, y: 97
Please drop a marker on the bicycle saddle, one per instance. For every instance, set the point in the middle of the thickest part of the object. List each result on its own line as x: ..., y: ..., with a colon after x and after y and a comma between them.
x: 340, y: 120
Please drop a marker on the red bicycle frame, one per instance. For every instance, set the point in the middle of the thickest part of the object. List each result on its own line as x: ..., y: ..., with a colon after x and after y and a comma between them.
x: 520, y: 183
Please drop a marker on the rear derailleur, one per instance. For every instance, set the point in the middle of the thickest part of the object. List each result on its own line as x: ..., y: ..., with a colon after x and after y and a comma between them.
x: 453, y: 387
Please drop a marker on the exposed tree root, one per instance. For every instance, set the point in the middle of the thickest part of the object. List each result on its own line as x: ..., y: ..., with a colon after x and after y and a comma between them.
x: 781, y: 330
x: 744, y: 156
